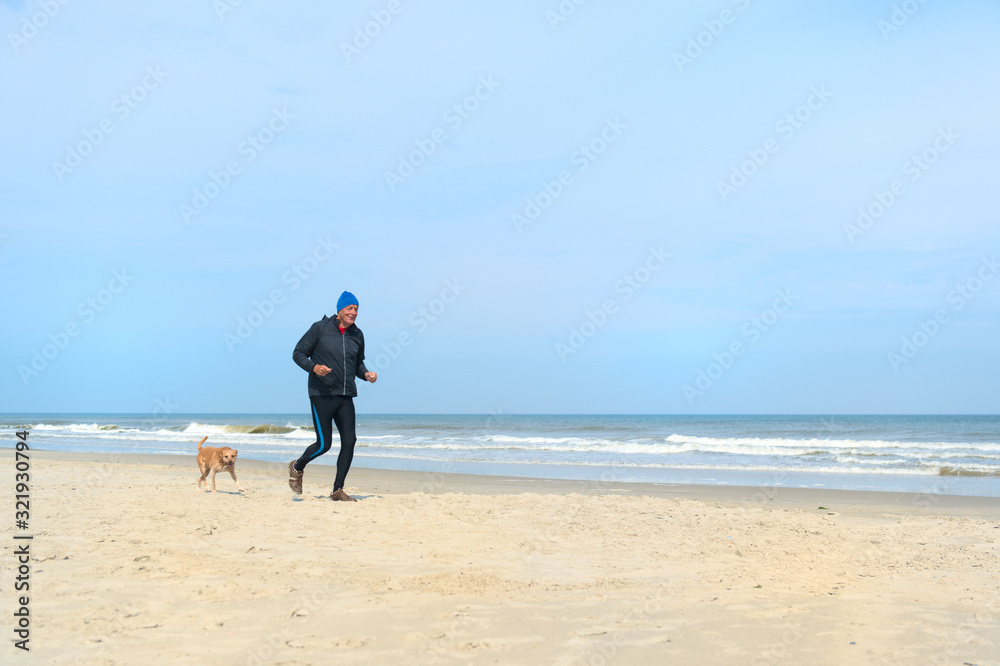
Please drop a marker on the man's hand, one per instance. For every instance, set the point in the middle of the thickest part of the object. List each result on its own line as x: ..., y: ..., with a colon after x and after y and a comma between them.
x: 321, y: 370
x: 371, y: 376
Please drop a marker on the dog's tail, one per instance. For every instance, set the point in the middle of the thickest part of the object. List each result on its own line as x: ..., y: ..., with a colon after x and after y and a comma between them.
x: 202, y: 442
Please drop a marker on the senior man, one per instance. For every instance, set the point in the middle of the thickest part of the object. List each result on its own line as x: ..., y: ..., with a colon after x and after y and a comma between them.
x: 333, y: 353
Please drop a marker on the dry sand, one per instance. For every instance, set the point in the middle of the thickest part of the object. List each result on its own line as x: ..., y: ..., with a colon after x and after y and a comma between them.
x: 133, y: 565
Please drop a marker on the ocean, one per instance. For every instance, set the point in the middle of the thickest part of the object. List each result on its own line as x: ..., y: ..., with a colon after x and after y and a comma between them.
x: 927, y: 454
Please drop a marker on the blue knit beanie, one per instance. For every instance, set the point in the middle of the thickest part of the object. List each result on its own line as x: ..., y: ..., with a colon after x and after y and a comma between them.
x: 346, y: 298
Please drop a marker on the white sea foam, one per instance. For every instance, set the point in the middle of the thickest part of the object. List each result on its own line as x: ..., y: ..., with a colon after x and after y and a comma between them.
x: 299, y: 433
x: 817, y: 469
x: 75, y: 427
x: 637, y: 448
x: 830, y: 444
x: 673, y: 444
x: 532, y: 440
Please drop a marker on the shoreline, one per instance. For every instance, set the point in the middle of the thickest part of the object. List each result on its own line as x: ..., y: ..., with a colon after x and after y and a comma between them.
x: 955, y: 455
x: 405, y: 481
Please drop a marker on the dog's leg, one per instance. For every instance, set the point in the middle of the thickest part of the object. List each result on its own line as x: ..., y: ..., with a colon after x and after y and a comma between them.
x: 232, y: 473
x: 213, y: 480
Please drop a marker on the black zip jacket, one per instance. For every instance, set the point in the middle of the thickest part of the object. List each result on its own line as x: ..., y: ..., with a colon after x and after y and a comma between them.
x: 344, y: 354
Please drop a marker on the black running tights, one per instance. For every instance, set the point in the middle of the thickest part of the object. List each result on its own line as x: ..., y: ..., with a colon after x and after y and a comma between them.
x: 327, y: 410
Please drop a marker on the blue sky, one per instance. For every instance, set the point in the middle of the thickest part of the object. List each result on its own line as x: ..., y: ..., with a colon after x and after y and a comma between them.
x: 163, y: 97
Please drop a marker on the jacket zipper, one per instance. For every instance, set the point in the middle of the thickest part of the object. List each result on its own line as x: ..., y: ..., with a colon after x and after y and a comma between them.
x: 343, y: 339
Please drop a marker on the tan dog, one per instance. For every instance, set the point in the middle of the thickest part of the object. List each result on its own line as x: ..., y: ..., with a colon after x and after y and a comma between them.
x: 215, y: 460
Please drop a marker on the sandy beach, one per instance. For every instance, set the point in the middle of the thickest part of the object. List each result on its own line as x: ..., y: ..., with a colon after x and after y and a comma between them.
x: 132, y: 564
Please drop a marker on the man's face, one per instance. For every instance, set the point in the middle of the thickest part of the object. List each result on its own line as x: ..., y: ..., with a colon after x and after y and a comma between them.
x: 348, y: 315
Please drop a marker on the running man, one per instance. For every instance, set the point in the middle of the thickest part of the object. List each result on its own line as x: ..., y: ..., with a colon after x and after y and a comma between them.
x: 333, y: 353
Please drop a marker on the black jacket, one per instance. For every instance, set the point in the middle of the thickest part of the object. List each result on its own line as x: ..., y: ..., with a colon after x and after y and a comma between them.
x: 344, y: 354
